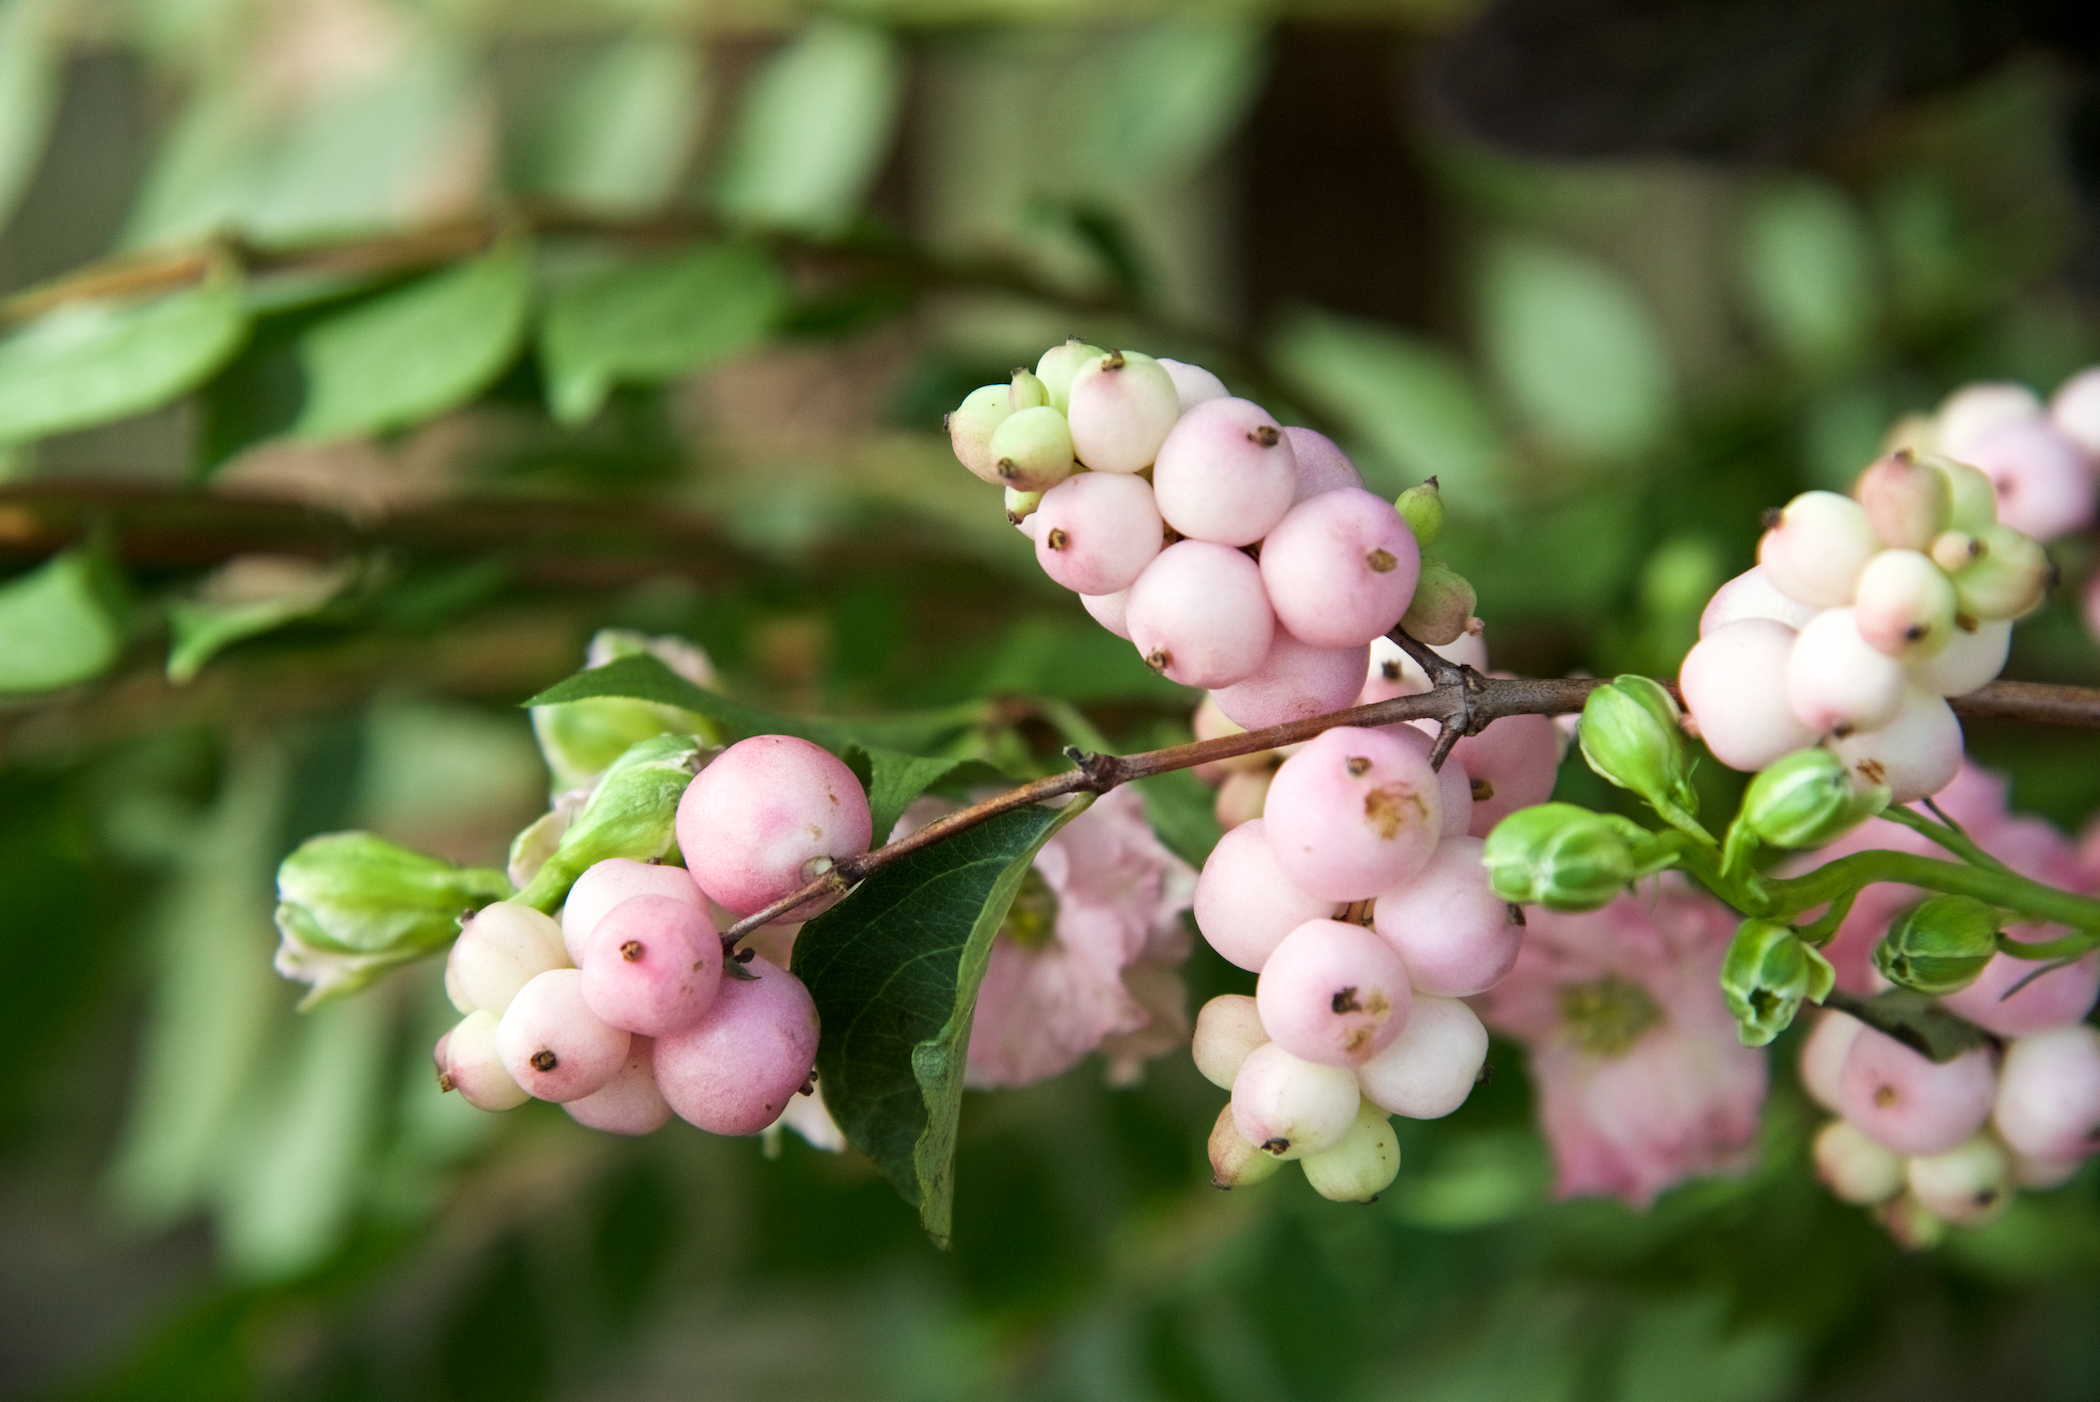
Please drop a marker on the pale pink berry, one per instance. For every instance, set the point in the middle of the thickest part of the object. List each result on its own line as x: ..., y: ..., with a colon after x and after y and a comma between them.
x: 1456, y: 936
x: 1341, y: 568
x: 1199, y: 615
x: 1816, y: 552
x: 2048, y: 998
x: 2044, y: 485
x: 1226, y: 473
x: 1973, y: 411
x: 652, y: 965
x: 1909, y: 503
x: 1295, y: 681
x: 1971, y: 658
x: 733, y: 1071
x: 1454, y: 785
x: 1968, y: 1185
x: 1227, y: 1029
x: 629, y: 1103
x: 1513, y: 763
x: 553, y: 1044
x: 474, y: 1066
x: 1354, y: 813
x: 1245, y: 904
x: 2075, y: 409
x: 500, y: 949
x: 1333, y: 992
x: 1752, y: 594
x: 1291, y: 1107
x: 1432, y: 1066
x: 2048, y: 1104
x: 1912, y: 1105
x: 1823, y: 1056
x: 1121, y: 407
x: 1096, y: 532
x: 769, y: 815
x: 1193, y: 384
x: 1734, y: 685
x: 1322, y: 467
x: 1905, y: 605
x: 1854, y: 1167
x: 1242, y: 797
x: 1916, y: 755
x: 605, y: 884
x: 1110, y: 611
x: 1835, y: 678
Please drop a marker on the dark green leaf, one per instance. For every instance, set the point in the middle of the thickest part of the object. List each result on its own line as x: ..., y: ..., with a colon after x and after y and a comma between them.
x: 1184, y: 812
x: 1915, y: 1020
x: 655, y: 318
x: 416, y: 351
x: 56, y: 626
x: 201, y: 628
x: 91, y: 362
x: 645, y: 679
x: 893, y: 779
x: 894, y: 970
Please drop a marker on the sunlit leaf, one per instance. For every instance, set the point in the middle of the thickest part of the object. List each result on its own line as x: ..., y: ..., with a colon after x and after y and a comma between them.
x: 31, y: 58
x: 894, y: 969
x: 1160, y: 100
x: 618, y: 137
x: 90, y: 362
x: 1808, y: 272
x: 57, y: 625
x: 655, y: 318
x: 418, y: 351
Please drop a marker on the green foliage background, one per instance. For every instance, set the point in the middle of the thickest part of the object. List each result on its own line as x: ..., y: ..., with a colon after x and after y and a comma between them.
x: 654, y: 310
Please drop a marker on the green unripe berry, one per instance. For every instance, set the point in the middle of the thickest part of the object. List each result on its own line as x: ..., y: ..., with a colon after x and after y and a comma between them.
x: 1032, y: 450
x: 1059, y: 364
x: 1422, y: 507
x: 1442, y: 608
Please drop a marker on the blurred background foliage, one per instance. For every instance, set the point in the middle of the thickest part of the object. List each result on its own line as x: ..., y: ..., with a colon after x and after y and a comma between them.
x: 490, y: 323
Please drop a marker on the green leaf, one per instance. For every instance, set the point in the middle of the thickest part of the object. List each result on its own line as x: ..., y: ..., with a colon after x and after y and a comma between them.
x: 894, y: 970
x: 618, y: 137
x: 32, y: 56
x: 57, y: 626
x: 653, y: 319
x: 894, y: 779
x: 90, y: 362
x: 1808, y: 273
x: 245, y: 603
x: 1408, y: 401
x: 416, y: 351
x: 1576, y: 350
x: 1158, y: 101
x: 644, y: 678
x: 814, y: 126
x: 1915, y: 1020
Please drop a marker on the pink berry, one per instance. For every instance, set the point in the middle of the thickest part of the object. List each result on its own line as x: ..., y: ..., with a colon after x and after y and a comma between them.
x: 1226, y: 473
x: 1734, y: 684
x: 1835, y: 677
x: 1973, y: 411
x: 2075, y: 410
x: 1354, y: 813
x: 1295, y: 681
x: 1816, y: 552
x: 1341, y: 568
x: 1333, y: 993
x: 2049, y: 1097
x: 1432, y: 1066
x: 1916, y: 754
x: 500, y: 949
x: 2051, y: 999
x: 1096, y: 532
x: 1912, y: 1105
x: 1193, y: 384
x: 1199, y: 616
x: 766, y: 817
x: 1322, y: 466
x: 652, y: 965
x: 733, y: 1071
x: 1242, y: 797
x: 1513, y: 763
x: 1121, y: 407
x: 474, y: 1067
x: 553, y: 1044
x: 629, y: 1103
x: 1823, y: 1057
x: 1291, y: 1107
x: 1454, y: 785
x: 605, y: 884
x: 1227, y: 1029
x: 1244, y: 904
x: 2044, y: 485
x: 1455, y: 935
x: 1110, y: 611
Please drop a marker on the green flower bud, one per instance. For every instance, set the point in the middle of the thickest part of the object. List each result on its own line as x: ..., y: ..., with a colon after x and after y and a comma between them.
x: 1630, y: 734
x: 1939, y: 946
x: 1565, y: 857
x: 581, y: 738
x: 1443, y: 605
x: 1422, y: 507
x: 1807, y: 799
x: 629, y: 815
x: 1765, y: 977
x: 352, y: 906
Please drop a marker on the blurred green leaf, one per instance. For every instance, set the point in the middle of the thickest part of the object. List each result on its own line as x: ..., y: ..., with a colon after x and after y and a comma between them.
x: 89, y: 362
x: 813, y: 129
x: 1686, y: 1350
x: 417, y: 351
x: 894, y: 779
x: 1158, y: 101
x: 644, y: 678
x: 1406, y: 400
x: 1915, y: 1020
x: 655, y: 318
x: 618, y: 137
x: 57, y: 625
x: 252, y: 596
x: 32, y: 57
x: 894, y: 969
x: 1808, y: 273
x: 1575, y: 350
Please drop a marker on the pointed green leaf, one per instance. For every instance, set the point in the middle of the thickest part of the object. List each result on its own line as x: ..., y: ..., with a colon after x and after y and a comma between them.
x: 90, y: 362
x: 894, y: 970
x: 654, y: 318
x: 56, y: 627
x: 618, y: 138
x: 894, y: 779
x: 241, y: 603
x: 644, y: 678
x: 416, y: 351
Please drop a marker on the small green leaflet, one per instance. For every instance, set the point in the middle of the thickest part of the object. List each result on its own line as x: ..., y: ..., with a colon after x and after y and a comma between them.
x: 894, y: 970
x: 1915, y: 1020
x: 56, y: 626
x: 644, y: 678
x: 655, y: 318
x: 416, y: 351
x: 90, y: 362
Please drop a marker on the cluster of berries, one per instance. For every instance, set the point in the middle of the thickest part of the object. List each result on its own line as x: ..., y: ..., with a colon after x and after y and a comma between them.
x: 1862, y: 615
x: 1237, y: 554
x: 623, y: 1010
x: 2042, y: 459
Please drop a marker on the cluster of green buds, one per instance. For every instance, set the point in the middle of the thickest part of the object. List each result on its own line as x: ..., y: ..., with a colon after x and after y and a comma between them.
x: 630, y: 814
x: 1442, y: 610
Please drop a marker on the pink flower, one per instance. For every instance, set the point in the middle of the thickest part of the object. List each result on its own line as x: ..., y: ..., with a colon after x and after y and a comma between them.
x: 1090, y: 955
x: 1641, y: 1080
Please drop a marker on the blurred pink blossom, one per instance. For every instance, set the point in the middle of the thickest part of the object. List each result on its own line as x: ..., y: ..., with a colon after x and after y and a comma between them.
x: 1640, y: 1077
x: 1090, y: 955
